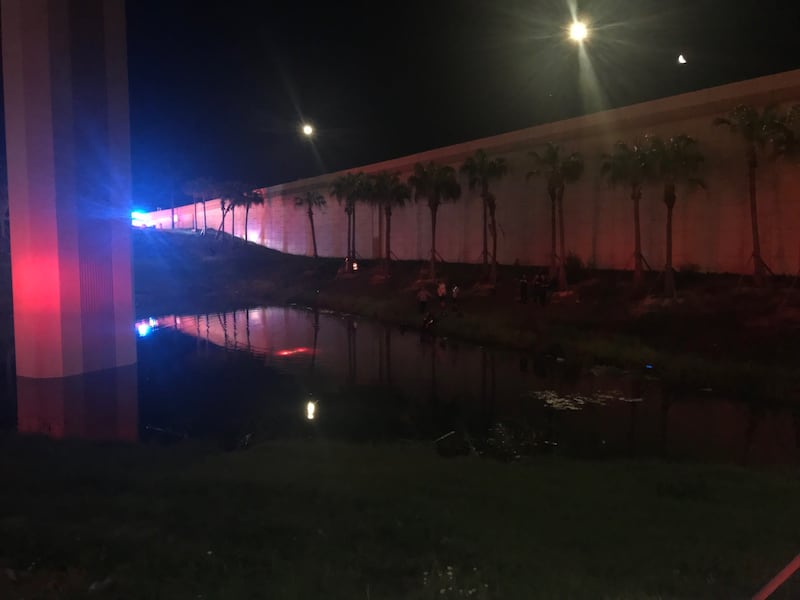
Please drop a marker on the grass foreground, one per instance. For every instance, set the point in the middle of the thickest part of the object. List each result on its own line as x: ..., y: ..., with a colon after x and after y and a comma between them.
x: 317, y: 519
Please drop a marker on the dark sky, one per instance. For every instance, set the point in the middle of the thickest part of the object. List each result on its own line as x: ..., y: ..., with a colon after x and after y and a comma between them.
x: 219, y: 89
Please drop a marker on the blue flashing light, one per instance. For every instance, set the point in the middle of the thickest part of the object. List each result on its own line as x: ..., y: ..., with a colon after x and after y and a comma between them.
x: 143, y: 329
x: 648, y: 366
x: 140, y: 219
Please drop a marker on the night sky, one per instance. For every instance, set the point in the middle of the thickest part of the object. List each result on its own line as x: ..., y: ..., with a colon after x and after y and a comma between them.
x: 219, y: 89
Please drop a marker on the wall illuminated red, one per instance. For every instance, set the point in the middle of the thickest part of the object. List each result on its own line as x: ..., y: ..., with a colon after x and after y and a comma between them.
x: 67, y: 138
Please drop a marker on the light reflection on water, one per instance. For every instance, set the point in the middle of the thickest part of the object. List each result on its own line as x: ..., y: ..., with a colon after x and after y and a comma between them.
x: 599, y: 409
x: 392, y: 383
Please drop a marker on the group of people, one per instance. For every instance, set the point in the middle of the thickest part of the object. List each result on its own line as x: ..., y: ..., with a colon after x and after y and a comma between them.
x: 542, y: 286
x: 444, y: 298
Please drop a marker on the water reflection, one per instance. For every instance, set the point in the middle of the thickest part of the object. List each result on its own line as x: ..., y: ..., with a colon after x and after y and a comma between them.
x: 452, y: 385
x: 270, y: 371
x: 99, y: 406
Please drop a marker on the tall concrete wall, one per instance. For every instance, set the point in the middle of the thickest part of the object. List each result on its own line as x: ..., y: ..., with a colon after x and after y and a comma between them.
x: 711, y: 229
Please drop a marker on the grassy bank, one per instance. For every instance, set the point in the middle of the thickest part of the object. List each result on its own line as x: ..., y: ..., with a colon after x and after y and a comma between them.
x: 720, y: 335
x: 322, y: 519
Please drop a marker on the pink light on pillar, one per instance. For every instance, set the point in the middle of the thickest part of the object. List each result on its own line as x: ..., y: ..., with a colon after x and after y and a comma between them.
x: 68, y: 148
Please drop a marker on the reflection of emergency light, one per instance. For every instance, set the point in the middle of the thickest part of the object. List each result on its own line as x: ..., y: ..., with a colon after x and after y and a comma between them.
x: 355, y: 266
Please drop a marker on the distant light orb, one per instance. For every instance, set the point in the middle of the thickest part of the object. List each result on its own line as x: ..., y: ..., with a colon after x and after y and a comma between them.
x: 311, y: 410
x: 578, y: 31
x: 681, y: 59
x: 308, y: 130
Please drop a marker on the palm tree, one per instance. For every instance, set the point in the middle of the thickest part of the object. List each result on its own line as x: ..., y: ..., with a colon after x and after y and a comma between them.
x: 311, y: 200
x: 387, y: 191
x: 755, y: 129
x: 250, y: 198
x: 676, y: 160
x: 632, y: 166
x: 786, y: 140
x: 349, y: 188
x: 201, y: 189
x: 232, y: 194
x: 557, y: 172
x: 226, y: 204
x: 481, y: 171
x: 438, y: 184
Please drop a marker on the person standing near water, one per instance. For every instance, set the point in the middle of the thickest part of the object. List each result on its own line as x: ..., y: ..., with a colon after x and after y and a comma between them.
x: 423, y: 295
x: 523, y: 289
x: 441, y: 292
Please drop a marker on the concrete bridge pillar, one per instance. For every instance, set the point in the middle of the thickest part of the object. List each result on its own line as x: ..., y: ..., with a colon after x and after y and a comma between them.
x: 68, y: 150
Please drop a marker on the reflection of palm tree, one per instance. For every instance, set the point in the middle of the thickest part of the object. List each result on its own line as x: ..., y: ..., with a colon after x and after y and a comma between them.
x: 316, y: 336
x: 247, y: 323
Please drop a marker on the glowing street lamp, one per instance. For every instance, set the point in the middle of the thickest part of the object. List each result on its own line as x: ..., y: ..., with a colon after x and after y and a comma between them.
x: 578, y: 31
x: 307, y: 130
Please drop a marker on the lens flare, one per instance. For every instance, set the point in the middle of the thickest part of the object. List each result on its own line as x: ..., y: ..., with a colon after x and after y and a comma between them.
x: 578, y: 31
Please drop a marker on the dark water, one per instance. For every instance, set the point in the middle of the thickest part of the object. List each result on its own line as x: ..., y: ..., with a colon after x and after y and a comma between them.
x: 252, y: 375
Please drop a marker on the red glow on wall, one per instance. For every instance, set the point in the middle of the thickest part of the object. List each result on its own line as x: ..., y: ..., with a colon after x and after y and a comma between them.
x: 293, y: 351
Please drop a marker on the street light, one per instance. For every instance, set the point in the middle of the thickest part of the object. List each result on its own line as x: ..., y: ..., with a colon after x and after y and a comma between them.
x: 578, y: 31
x: 307, y: 130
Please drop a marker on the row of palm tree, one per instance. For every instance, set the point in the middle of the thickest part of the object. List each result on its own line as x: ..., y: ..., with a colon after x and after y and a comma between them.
x: 673, y: 162
x: 230, y: 194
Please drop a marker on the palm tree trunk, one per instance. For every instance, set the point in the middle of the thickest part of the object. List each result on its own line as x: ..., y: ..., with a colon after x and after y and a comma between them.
x: 758, y: 262
x: 388, y: 211
x: 224, y: 210
x: 194, y: 220
x: 492, y: 206
x: 246, y: 218
x: 313, y: 232
x: 669, y: 274
x: 638, y: 267
x: 353, y: 245
x: 553, y: 231
x: 205, y: 219
x: 233, y: 221
x: 349, y: 237
x: 562, y: 271
x: 484, y: 194
x: 433, y: 241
